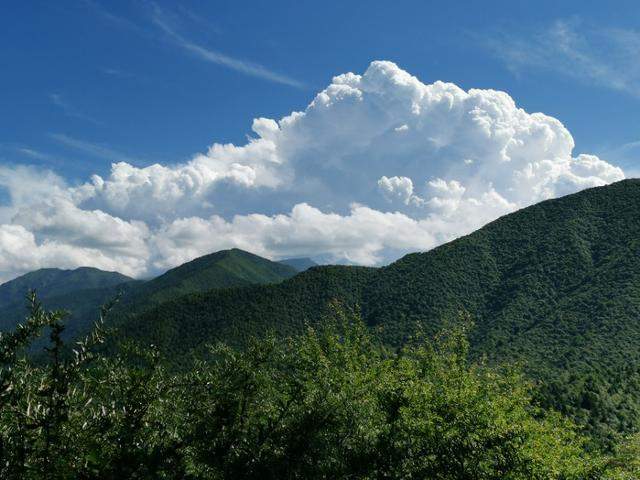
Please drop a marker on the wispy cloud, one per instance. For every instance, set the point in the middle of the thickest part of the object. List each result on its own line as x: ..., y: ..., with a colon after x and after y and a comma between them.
x: 606, y: 57
x: 116, y: 20
x: 35, y: 154
x: 200, y: 20
x: 27, y: 151
x: 94, y: 149
x: 59, y: 101
x: 160, y: 19
x: 43, y: 158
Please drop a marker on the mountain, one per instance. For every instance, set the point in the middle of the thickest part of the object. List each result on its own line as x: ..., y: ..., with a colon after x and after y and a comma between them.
x: 554, y: 287
x: 223, y: 269
x: 54, y: 282
x: 190, y: 322
x: 300, y: 264
x: 217, y: 271
x: 82, y: 291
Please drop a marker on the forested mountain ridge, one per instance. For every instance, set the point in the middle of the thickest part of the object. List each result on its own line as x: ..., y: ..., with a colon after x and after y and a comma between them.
x: 189, y: 323
x: 222, y: 269
x: 81, y: 292
x: 55, y: 282
x: 554, y: 287
x: 334, y: 401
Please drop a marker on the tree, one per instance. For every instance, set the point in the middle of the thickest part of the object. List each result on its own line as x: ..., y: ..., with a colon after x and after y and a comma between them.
x: 331, y: 403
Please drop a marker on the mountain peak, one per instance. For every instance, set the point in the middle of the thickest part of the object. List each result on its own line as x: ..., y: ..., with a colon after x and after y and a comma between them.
x: 222, y: 269
x: 51, y: 282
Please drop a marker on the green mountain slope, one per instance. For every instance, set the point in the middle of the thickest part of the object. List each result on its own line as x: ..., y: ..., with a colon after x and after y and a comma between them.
x: 188, y: 323
x: 555, y: 287
x: 223, y: 269
x: 82, y: 291
x: 54, y: 282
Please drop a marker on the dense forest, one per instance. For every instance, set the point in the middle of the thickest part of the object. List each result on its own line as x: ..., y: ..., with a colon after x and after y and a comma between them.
x: 552, y: 294
x: 332, y: 402
x: 554, y: 288
x: 59, y: 289
x: 82, y: 291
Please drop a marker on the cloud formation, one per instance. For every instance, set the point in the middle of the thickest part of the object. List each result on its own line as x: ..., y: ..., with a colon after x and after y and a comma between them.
x: 377, y: 165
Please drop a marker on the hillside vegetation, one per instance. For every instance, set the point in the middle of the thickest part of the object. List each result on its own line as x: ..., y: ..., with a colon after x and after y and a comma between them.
x: 328, y: 403
x: 223, y: 269
x: 81, y: 292
x: 554, y: 287
x: 54, y: 282
x: 189, y: 323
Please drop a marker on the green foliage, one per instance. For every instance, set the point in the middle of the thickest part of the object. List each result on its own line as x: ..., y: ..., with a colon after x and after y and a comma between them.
x: 35, y: 402
x: 554, y: 287
x: 331, y: 403
x: 185, y: 326
x: 80, y: 292
x: 224, y: 269
x: 53, y: 282
x: 625, y: 463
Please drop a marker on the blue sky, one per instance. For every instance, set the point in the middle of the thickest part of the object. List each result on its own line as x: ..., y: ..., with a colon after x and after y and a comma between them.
x: 86, y: 83
x: 107, y: 74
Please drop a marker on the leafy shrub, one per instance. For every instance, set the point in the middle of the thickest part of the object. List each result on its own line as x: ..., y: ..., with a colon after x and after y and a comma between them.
x: 331, y: 403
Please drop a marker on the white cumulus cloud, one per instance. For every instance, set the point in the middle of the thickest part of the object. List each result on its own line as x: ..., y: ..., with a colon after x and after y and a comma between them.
x: 398, y: 188
x: 377, y: 165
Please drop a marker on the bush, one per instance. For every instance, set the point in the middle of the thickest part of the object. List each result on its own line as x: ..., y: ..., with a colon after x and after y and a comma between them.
x: 327, y: 404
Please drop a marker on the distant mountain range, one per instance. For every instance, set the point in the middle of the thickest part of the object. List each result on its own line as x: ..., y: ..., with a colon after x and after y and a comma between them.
x: 554, y: 288
x: 54, y: 282
x: 82, y: 291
